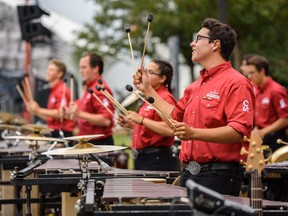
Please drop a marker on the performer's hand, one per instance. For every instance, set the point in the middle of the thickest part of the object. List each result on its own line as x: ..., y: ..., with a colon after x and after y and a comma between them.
x: 141, y: 80
x: 124, y: 122
x: 261, y: 132
x: 32, y: 107
x: 73, y: 110
x: 134, y: 117
x: 183, y: 131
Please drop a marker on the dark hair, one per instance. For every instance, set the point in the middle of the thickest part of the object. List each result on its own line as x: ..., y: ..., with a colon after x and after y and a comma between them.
x: 224, y: 33
x: 259, y: 62
x: 96, y: 60
x: 165, y: 69
x: 60, y: 66
x: 247, y: 56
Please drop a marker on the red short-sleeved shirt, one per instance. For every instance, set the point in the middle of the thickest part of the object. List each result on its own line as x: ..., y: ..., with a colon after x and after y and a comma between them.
x: 144, y: 137
x: 54, y: 101
x: 91, y: 105
x: 220, y: 97
x: 271, y: 103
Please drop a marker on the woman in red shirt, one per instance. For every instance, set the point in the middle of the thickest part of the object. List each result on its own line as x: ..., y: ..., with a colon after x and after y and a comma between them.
x: 151, y: 141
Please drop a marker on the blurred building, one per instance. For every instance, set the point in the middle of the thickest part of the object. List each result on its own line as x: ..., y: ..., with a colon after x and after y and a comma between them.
x: 12, y: 53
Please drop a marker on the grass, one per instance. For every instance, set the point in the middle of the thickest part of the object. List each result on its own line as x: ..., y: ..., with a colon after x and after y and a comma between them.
x: 123, y: 137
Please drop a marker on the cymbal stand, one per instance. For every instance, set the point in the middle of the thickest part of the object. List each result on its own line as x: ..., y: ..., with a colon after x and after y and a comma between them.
x: 33, y: 154
x: 8, y: 132
x: 83, y: 165
x: 91, y: 193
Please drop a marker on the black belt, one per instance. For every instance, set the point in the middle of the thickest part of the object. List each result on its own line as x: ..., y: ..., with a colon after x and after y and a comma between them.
x: 149, y: 150
x: 153, y: 150
x: 194, y: 168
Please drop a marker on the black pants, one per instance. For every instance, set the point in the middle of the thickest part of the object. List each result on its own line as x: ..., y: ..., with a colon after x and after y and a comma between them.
x: 105, y: 141
x: 223, y: 181
x: 158, y: 161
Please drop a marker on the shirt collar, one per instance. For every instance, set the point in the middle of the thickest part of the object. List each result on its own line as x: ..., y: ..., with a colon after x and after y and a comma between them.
x: 57, y: 84
x: 206, y: 74
x: 265, y: 85
x: 94, y: 82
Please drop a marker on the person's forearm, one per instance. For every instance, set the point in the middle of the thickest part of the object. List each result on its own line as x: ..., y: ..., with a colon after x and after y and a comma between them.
x: 45, y: 113
x: 224, y: 134
x: 275, y: 126
x: 160, y: 128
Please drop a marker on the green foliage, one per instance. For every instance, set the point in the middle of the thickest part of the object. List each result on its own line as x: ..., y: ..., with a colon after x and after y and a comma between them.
x: 260, y: 25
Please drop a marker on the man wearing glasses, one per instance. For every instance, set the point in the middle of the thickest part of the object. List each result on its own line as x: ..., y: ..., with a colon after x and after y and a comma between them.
x: 214, y: 114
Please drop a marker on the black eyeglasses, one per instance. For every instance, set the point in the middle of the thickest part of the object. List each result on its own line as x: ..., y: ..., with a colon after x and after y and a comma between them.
x: 202, y: 36
x: 150, y: 72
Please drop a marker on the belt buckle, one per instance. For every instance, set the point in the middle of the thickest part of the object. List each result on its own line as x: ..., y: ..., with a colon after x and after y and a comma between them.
x: 193, y: 167
x: 134, y: 153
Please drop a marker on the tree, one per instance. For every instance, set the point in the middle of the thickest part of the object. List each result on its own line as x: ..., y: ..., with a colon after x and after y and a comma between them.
x: 259, y: 24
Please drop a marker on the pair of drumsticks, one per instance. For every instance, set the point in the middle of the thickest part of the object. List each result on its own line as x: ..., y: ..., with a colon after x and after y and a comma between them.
x: 150, y: 100
x: 102, y: 89
x: 27, y: 95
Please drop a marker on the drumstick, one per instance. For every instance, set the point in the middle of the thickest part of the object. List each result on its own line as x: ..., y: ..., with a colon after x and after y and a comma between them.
x: 130, y: 89
x: 26, y: 79
x: 25, y: 90
x: 151, y: 101
x: 280, y: 141
x: 127, y: 30
x: 149, y: 19
x: 63, y: 99
x: 72, y: 87
x: 71, y: 91
x: 98, y: 99
x: 115, y: 102
x: 21, y: 94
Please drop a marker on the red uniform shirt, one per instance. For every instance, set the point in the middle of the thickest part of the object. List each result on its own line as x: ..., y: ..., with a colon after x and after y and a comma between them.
x: 54, y: 101
x: 144, y: 137
x: 88, y: 103
x: 220, y: 97
x: 271, y: 104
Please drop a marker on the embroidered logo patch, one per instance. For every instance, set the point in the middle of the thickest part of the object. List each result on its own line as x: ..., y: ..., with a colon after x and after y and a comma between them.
x: 282, y: 103
x: 213, y: 94
x: 53, y: 100
x: 245, y: 106
x: 265, y: 101
x: 63, y: 102
x: 105, y: 102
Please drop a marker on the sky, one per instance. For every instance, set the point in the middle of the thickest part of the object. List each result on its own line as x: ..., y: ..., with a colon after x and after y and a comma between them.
x: 80, y: 11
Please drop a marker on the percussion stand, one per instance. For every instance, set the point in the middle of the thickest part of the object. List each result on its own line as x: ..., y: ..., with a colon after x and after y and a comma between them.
x: 91, y: 191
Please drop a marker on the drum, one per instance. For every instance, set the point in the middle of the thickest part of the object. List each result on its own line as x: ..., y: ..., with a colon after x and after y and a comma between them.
x: 280, y: 155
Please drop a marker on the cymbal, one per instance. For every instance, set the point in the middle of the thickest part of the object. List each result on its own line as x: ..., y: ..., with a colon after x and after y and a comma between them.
x: 83, y: 137
x: 37, y: 129
x: 6, y: 114
x: 33, y: 127
x: 84, y: 149
x: 19, y: 121
x: 9, y: 127
x: 36, y: 137
x: 10, y: 118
